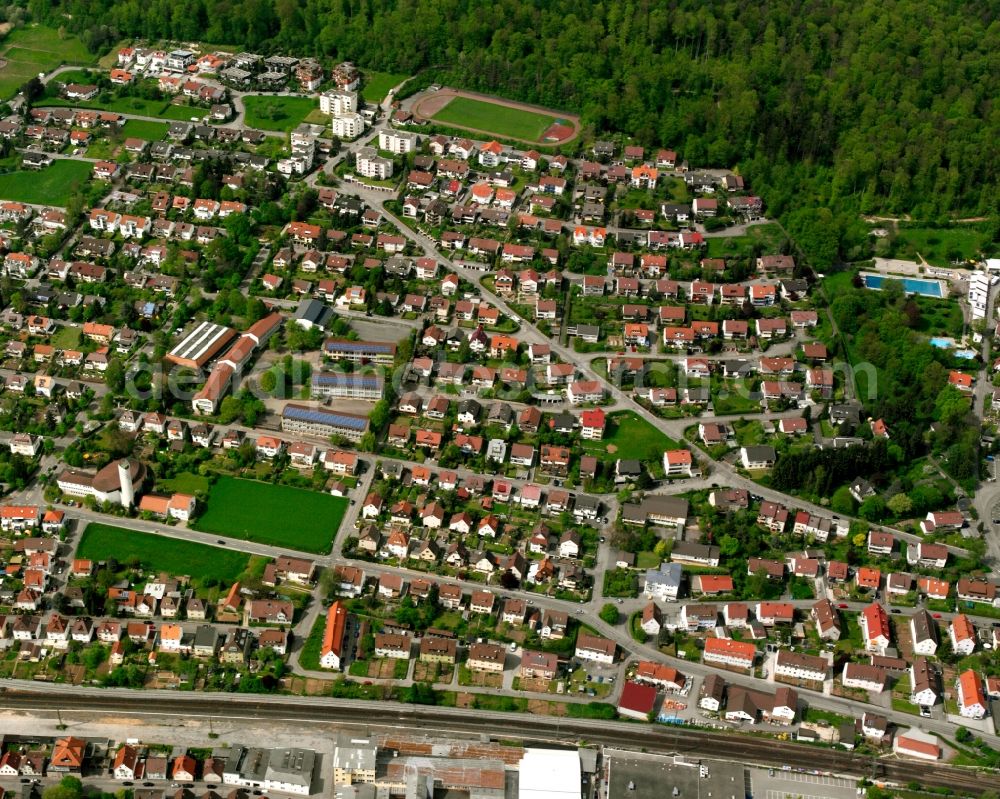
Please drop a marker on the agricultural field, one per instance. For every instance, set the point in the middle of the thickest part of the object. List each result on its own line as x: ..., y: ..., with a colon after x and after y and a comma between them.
x: 25, y: 52
x: 50, y: 186
x: 629, y: 436
x: 144, y: 129
x: 377, y: 85
x: 500, y: 120
x: 276, y: 113
x: 161, y: 553
x: 272, y: 514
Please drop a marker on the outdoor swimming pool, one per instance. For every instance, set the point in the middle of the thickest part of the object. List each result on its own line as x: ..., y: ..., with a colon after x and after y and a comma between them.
x: 947, y: 343
x: 911, y: 285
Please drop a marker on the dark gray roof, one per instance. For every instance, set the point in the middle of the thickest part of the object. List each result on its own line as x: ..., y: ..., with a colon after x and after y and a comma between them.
x: 313, y: 311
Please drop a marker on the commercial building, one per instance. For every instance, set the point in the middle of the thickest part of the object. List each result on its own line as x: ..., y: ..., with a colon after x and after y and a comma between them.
x: 285, y: 770
x: 354, y: 761
x: 549, y: 774
x: 290, y: 771
x: 637, y: 701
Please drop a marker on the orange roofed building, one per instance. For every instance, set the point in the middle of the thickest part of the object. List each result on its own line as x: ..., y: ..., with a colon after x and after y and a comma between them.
x: 333, y: 636
x: 68, y: 755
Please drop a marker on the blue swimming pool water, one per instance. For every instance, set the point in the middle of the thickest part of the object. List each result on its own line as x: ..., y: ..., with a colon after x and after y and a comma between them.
x: 943, y: 343
x: 926, y: 288
x: 967, y: 354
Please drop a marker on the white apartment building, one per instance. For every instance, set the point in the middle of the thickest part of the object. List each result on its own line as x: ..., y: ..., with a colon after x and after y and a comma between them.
x: 338, y: 103
x: 980, y: 284
x: 399, y: 142
x: 348, y: 126
x: 369, y: 164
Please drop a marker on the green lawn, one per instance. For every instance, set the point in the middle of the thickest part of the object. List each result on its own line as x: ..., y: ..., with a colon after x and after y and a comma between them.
x: 50, y: 186
x: 272, y: 514
x: 733, y: 396
x: 184, y: 483
x: 309, y: 656
x: 769, y: 236
x: 30, y: 50
x: 161, y: 553
x: 492, y: 118
x: 138, y: 106
x: 276, y: 113
x: 102, y: 149
x: 940, y: 246
x: 377, y: 85
x: 66, y: 338
x: 78, y: 76
x: 144, y: 129
x: 630, y: 436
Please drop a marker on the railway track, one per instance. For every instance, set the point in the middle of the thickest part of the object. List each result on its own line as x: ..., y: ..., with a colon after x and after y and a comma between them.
x: 432, y: 720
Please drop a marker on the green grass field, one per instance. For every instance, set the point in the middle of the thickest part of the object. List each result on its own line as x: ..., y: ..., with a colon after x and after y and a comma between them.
x: 733, y: 396
x: 377, y: 85
x: 184, y: 483
x: 78, y: 76
x: 161, y: 553
x: 492, y: 118
x: 28, y: 51
x: 66, y: 338
x: 940, y: 246
x: 133, y: 105
x: 50, y: 186
x: 276, y: 113
x: 309, y: 656
x: 769, y: 236
x: 630, y: 436
x: 273, y: 514
x: 144, y: 129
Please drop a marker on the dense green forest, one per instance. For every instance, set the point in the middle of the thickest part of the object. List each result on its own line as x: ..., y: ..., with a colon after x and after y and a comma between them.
x: 910, y: 389
x: 887, y: 106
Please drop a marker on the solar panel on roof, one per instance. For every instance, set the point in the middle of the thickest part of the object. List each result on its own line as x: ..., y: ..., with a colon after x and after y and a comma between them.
x: 327, y: 379
x: 360, y: 346
x: 325, y: 417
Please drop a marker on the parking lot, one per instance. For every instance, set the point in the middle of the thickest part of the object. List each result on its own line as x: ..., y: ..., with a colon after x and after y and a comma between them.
x: 778, y: 784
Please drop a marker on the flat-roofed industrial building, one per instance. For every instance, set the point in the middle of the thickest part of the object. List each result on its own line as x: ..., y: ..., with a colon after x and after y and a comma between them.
x: 201, y: 345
